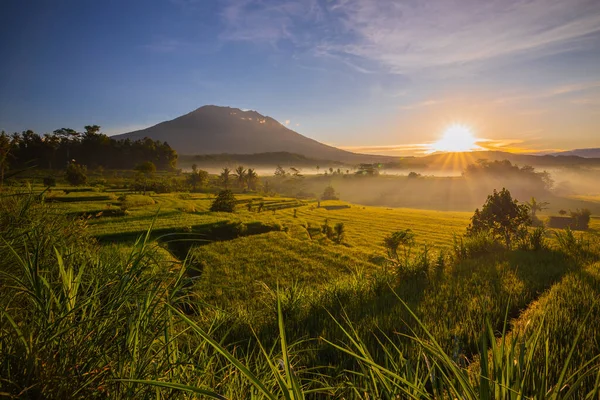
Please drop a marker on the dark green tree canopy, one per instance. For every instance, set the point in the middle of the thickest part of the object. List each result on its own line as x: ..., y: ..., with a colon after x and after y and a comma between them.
x: 146, y: 167
x: 90, y: 148
x: 502, y: 216
x: 224, y: 202
x: 76, y: 174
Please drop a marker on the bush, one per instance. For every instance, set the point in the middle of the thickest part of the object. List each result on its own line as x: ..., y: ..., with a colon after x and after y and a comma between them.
x: 76, y: 174
x: 224, y: 202
x: 582, y: 219
x: 475, y: 245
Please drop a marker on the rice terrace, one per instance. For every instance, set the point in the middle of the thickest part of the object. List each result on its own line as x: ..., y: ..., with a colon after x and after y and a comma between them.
x: 440, y: 240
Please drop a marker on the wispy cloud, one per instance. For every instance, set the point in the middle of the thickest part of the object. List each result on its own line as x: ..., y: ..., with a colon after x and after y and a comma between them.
x: 563, y: 90
x: 409, y: 36
x: 422, y: 104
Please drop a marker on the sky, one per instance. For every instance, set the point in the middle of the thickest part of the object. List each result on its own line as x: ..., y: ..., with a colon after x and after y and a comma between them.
x: 377, y: 76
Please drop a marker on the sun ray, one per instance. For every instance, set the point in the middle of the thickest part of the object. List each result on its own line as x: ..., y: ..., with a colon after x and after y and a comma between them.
x: 456, y: 138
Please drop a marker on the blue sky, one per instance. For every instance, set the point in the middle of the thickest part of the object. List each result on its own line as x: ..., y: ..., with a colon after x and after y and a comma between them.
x: 377, y: 76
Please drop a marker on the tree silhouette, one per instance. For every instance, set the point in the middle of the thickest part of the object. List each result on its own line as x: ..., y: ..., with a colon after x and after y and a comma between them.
x: 224, y: 178
x: 240, y: 175
x: 502, y: 216
x: 251, y: 178
x: 535, y: 206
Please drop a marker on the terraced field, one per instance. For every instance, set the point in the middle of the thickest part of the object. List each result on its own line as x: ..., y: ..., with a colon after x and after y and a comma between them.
x: 272, y: 248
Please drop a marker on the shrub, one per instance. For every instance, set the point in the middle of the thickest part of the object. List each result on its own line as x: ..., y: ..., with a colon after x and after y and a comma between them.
x: 474, y: 245
x: 399, y: 241
x: 76, y: 174
x: 582, y: 219
x: 225, y: 202
x: 340, y: 232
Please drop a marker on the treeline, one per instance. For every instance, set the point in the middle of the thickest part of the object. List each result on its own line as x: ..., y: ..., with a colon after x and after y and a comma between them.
x: 508, y: 172
x: 90, y: 148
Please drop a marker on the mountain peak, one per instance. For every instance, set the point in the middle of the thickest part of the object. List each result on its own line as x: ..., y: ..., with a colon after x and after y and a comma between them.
x: 213, y: 129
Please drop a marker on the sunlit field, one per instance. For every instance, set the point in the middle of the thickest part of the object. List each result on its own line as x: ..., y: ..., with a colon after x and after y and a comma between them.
x: 168, y: 276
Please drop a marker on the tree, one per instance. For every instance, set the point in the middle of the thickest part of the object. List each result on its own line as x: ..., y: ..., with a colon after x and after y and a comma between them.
x: 224, y: 178
x: 5, y: 147
x: 535, y: 206
x: 147, y: 168
x: 582, y: 218
x: 280, y: 172
x: 295, y: 172
x: 197, y: 177
x: 225, y: 202
x: 240, y: 175
x: 251, y: 178
x: 502, y: 216
x: 563, y: 212
x: 329, y: 194
x: 76, y: 174
x: 144, y: 171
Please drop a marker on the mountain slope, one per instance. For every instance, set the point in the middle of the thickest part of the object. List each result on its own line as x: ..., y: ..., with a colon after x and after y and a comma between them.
x: 586, y: 153
x: 217, y: 130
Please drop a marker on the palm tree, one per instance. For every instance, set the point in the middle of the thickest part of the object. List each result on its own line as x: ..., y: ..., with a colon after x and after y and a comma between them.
x: 251, y: 178
x: 535, y: 206
x: 240, y: 174
x: 224, y: 177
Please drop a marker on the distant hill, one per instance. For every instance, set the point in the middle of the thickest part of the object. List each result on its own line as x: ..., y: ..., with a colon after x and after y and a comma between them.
x: 220, y: 130
x: 458, y: 161
x: 255, y: 160
x: 585, y: 153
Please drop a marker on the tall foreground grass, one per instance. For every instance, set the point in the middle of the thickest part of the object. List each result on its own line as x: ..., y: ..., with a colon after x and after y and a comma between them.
x: 81, y: 321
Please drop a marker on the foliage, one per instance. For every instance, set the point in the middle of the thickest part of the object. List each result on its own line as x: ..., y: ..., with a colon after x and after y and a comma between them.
x: 145, y: 167
x: 92, y: 148
x: 399, y: 245
x: 502, y: 216
x: 225, y: 177
x: 197, y: 178
x: 329, y: 194
x: 76, y: 174
x: 582, y: 218
x: 538, y: 181
x: 534, y: 207
x: 338, y: 326
x: 340, y: 232
x: 240, y: 175
x: 474, y: 245
x: 251, y: 179
x: 225, y: 202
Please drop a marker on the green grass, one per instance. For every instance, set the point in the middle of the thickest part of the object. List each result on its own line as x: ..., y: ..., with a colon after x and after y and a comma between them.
x: 276, y: 310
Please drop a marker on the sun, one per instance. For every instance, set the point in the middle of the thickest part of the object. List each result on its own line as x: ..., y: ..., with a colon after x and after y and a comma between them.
x: 456, y: 138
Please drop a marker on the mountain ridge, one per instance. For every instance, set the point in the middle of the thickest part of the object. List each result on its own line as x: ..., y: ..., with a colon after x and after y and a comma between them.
x: 214, y: 129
